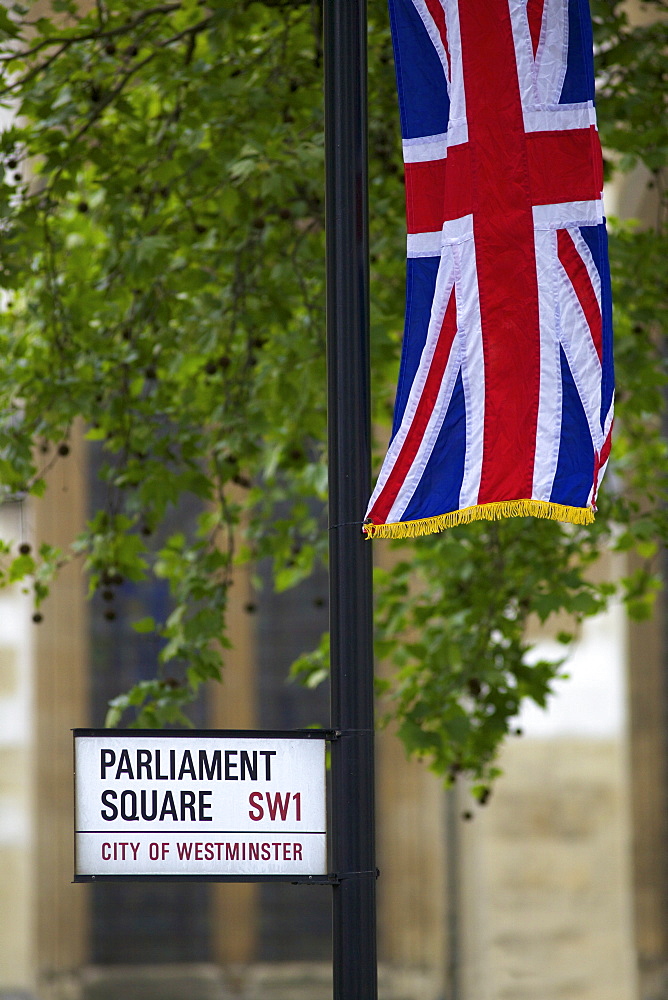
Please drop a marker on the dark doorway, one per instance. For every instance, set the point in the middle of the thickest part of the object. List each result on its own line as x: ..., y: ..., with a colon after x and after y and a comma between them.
x: 139, y: 922
x: 295, y: 921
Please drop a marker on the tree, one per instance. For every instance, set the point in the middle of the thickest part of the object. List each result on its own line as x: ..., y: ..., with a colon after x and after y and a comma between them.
x: 163, y: 278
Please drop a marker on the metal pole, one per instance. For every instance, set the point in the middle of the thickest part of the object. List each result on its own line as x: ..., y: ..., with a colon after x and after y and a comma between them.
x: 352, y: 836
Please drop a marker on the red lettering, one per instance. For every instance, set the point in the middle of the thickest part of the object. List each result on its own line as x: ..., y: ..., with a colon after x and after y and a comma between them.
x: 184, y: 851
x: 286, y: 852
x: 253, y: 852
x: 208, y: 852
x: 198, y: 852
x: 231, y: 852
x: 297, y: 851
x: 119, y: 851
x: 266, y: 852
x: 278, y: 805
x: 256, y: 812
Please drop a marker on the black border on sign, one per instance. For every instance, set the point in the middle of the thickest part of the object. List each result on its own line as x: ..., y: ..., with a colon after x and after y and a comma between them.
x: 292, y: 879
x: 260, y: 734
x: 246, y: 734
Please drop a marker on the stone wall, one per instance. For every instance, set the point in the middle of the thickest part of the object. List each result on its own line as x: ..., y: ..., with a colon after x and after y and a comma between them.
x: 17, y: 882
x: 546, y: 886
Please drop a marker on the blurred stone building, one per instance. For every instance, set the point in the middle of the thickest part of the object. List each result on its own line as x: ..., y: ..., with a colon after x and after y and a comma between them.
x: 556, y: 890
x: 533, y: 897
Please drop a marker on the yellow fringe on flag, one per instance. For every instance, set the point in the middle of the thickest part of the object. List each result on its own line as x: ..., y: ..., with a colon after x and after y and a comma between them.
x: 481, y: 512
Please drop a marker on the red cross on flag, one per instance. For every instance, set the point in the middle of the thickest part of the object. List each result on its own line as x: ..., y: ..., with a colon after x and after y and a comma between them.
x: 505, y: 397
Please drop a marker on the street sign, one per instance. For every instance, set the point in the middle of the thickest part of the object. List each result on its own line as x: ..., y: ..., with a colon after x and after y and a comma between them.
x: 238, y: 805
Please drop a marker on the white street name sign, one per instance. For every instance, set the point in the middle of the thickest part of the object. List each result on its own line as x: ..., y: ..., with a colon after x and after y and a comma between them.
x: 199, y: 804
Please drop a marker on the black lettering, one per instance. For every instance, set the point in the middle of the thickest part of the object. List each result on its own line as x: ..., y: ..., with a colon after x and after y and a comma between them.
x: 144, y: 763
x: 158, y: 775
x: 188, y: 803
x: 172, y: 764
x: 107, y: 760
x: 131, y: 813
x: 109, y: 798
x: 267, y: 754
x: 154, y: 804
x: 211, y: 770
x: 246, y: 765
x: 204, y: 806
x: 168, y: 807
x: 124, y: 765
x: 187, y: 766
x: 230, y: 765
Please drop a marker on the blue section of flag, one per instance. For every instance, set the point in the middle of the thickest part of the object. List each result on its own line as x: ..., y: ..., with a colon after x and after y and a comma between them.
x: 575, y: 450
x: 421, y: 274
x: 505, y: 398
x: 419, y: 73
x: 596, y: 238
x: 441, y: 481
x: 579, y: 81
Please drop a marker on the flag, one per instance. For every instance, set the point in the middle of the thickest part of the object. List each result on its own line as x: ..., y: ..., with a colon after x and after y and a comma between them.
x: 505, y: 397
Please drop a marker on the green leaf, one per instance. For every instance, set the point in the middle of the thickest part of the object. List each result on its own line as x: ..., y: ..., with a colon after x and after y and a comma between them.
x: 144, y: 625
x: 7, y: 26
x: 21, y: 567
x: 164, y: 288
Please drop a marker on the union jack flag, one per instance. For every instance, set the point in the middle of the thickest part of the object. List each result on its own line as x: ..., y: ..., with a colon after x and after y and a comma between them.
x: 505, y: 397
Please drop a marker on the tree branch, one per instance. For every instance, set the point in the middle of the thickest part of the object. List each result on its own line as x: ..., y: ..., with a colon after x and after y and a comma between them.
x: 120, y: 86
x: 67, y: 40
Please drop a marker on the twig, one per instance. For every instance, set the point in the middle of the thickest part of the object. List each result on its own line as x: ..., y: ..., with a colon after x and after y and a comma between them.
x: 67, y: 40
x: 113, y: 94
